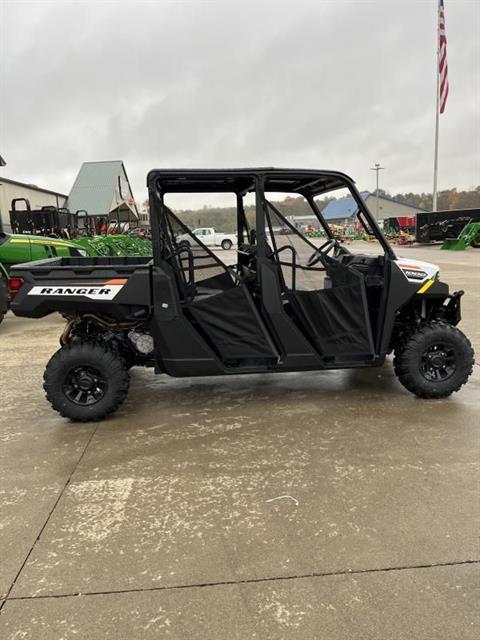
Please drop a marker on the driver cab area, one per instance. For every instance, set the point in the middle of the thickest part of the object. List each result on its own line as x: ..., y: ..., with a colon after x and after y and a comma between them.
x: 322, y: 293
x: 288, y: 301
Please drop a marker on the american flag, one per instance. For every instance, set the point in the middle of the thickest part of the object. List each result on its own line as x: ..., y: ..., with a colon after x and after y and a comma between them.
x: 442, y: 57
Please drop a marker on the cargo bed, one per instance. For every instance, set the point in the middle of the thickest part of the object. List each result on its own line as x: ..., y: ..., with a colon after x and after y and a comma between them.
x: 116, y: 286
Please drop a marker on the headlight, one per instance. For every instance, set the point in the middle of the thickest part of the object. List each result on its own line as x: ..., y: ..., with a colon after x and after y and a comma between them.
x: 83, y: 253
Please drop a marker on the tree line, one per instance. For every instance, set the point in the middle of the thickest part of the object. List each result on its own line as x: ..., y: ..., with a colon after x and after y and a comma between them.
x: 224, y: 218
x: 446, y: 200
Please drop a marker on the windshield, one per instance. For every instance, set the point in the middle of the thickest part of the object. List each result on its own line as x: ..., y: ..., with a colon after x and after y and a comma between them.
x: 335, y: 214
x: 344, y: 218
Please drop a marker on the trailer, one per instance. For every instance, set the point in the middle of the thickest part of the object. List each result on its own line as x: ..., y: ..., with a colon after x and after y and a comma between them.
x: 437, y: 226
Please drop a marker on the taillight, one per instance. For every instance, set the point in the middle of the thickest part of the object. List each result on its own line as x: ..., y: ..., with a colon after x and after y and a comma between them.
x: 14, y: 286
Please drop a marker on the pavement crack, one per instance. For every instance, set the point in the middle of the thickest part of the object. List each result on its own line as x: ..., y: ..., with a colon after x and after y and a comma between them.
x: 47, y: 520
x: 304, y: 576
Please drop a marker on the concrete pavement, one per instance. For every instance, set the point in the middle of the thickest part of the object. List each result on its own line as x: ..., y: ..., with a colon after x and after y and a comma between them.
x: 168, y: 519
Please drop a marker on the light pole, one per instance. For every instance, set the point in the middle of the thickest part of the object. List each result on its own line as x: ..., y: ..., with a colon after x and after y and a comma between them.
x: 376, y: 168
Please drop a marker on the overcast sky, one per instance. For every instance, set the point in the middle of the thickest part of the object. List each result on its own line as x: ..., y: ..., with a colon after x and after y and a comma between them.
x: 334, y: 85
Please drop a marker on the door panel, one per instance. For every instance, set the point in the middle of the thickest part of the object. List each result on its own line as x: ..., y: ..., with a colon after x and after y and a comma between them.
x: 231, y: 324
x: 208, y: 238
x: 336, y: 319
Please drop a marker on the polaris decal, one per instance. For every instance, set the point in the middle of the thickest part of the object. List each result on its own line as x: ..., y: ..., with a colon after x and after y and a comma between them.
x: 417, y: 270
x: 415, y: 275
x: 99, y: 292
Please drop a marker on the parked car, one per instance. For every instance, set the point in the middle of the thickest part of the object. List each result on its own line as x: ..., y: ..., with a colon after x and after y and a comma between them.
x: 211, y: 238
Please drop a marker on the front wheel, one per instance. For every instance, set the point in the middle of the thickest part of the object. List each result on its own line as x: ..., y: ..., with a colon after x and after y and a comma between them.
x: 227, y: 244
x: 434, y: 361
x: 86, y: 381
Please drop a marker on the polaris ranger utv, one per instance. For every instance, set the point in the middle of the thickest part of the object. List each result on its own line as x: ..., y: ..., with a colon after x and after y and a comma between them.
x: 286, y: 304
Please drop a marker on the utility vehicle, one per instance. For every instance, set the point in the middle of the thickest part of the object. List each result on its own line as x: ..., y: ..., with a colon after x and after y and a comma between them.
x: 287, y: 304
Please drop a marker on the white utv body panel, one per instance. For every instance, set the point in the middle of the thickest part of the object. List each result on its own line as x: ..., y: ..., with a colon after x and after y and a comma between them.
x: 418, y: 270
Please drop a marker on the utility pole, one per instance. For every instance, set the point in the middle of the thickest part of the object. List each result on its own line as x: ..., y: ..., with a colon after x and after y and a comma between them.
x: 376, y: 168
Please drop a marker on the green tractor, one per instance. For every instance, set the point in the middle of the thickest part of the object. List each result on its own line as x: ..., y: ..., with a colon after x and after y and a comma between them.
x: 106, y: 237
x: 18, y: 248
x: 469, y: 236
x: 115, y: 245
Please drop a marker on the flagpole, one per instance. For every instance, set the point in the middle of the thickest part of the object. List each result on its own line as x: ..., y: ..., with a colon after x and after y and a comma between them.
x: 437, y: 116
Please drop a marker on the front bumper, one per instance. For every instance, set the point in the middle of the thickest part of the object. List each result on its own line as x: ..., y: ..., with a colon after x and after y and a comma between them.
x: 452, y: 312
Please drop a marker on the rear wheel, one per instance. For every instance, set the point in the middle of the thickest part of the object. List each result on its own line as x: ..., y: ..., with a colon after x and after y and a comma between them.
x: 3, y: 298
x: 227, y: 244
x: 434, y: 361
x: 85, y: 381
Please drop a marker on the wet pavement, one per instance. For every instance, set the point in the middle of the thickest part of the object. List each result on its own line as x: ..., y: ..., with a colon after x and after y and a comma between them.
x: 315, y: 505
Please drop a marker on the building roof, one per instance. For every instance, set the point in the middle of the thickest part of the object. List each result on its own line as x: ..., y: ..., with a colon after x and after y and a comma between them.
x: 96, y: 185
x: 343, y: 208
x: 33, y: 187
x: 405, y: 204
x: 347, y: 207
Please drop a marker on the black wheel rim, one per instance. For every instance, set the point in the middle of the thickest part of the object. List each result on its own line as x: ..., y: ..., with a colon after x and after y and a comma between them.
x: 438, y: 362
x: 84, y: 386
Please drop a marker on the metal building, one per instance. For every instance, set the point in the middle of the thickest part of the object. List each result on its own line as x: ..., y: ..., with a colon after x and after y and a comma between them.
x: 342, y: 211
x: 103, y: 189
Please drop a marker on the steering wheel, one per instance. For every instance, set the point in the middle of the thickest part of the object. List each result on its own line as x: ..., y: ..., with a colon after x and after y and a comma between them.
x: 318, y: 255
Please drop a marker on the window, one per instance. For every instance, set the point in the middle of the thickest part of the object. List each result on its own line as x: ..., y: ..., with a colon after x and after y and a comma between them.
x: 346, y: 220
x: 289, y: 245
x: 198, y: 263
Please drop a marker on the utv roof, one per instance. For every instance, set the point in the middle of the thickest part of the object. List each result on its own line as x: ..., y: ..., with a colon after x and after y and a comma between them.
x: 309, y: 182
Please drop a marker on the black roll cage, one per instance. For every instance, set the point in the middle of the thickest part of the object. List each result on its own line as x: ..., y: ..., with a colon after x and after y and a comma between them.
x: 308, y: 183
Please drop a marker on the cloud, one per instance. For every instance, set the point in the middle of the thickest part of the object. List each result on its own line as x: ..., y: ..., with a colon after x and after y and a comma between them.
x: 312, y: 84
